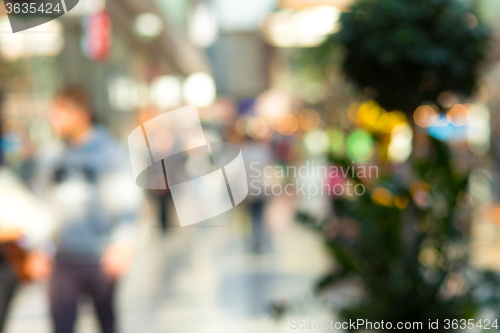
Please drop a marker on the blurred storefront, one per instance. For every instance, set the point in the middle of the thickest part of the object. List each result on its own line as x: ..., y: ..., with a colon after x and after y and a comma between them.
x: 116, y: 49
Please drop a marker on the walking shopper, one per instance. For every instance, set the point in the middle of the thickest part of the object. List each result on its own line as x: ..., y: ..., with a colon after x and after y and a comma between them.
x: 85, y: 179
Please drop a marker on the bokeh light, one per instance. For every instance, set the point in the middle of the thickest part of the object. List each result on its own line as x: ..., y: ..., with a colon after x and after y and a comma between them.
x: 309, y: 119
x: 400, y: 146
x: 166, y: 92
x: 368, y: 114
x: 425, y: 115
x: 376, y: 119
x: 458, y: 115
x: 287, y: 124
x: 337, y: 141
x: 258, y: 128
x: 203, y: 26
x: 383, y: 197
x: 360, y: 145
x: 124, y: 94
x: 479, y: 130
x: 388, y: 121
x: 316, y: 142
x: 303, y: 28
x: 148, y: 25
x: 199, y: 89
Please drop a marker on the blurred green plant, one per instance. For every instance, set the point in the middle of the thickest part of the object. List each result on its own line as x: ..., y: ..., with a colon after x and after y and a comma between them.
x: 407, y: 52
x: 408, y: 234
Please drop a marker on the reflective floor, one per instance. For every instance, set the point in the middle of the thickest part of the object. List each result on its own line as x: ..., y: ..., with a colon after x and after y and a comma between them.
x: 205, y: 279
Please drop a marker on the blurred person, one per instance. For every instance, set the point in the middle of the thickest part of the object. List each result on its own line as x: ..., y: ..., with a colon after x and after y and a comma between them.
x: 162, y: 197
x: 8, y: 279
x: 85, y: 179
x: 260, y: 154
x: 165, y: 202
x: 24, y: 225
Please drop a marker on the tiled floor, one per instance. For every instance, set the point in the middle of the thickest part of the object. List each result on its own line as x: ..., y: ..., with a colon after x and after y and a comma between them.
x: 203, y: 279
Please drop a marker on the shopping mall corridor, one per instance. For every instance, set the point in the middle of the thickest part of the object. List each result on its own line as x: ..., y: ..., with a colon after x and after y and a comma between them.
x: 203, y: 279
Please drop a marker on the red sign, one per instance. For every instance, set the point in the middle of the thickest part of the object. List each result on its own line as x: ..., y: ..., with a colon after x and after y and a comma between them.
x: 97, y: 36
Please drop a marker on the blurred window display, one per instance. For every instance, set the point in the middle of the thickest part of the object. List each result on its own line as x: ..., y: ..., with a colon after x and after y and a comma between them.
x: 303, y: 28
x: 43, y: 40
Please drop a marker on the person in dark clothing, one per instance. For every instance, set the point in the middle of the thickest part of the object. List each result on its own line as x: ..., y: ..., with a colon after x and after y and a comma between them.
x: 164, y: 200
x: 8, y: 283
x: 72, y: 280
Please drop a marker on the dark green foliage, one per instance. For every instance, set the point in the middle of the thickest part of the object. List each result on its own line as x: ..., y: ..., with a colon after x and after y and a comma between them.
x: 384, y: 254
x: 406, y: 53
x: 409, y: 51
